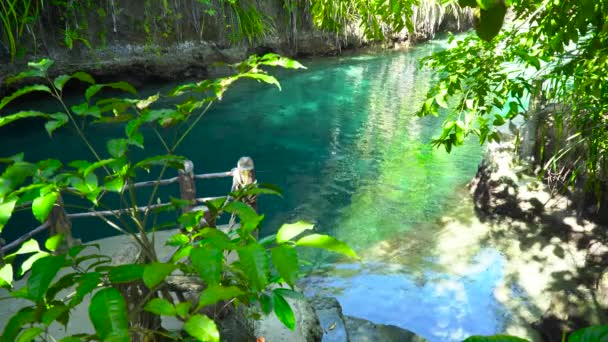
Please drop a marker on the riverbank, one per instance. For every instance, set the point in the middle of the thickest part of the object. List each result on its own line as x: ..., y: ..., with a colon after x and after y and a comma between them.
x: 556, y: 258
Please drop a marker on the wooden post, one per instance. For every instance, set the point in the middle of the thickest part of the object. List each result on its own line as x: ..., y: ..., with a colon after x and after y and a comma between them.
x: 59, y: 223
x: 243, y: 175
x: 529, y: 140
x: 187, y: 186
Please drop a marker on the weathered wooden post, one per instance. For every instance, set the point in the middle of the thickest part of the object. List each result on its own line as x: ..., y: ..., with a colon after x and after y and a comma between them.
x: 187, y: 186
x: 244, y: 175
x: 187, y: 189
x: 59, y: 223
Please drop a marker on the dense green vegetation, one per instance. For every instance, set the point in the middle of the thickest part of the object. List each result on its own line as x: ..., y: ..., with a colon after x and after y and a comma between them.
x: 202, y: 250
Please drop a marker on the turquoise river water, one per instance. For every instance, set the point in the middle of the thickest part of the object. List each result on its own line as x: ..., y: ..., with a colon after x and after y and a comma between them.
x: 343, y: 142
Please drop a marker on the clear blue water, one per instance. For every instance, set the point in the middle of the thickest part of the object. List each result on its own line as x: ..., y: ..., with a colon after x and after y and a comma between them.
x: 343, y: 142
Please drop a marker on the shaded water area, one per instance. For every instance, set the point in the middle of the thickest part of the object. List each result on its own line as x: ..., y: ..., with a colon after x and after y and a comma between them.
x: 343, y: 142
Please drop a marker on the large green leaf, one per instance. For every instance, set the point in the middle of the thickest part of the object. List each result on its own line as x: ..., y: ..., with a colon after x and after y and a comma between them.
x: 60, y: 81
x: 489, y: 22
x: 214, y: 294
x: 6, y: 211
x: 285, y: 259
x: 16, y: 322
x: 58, y: 120
x: 88, y: 283
x: 5, y: 120
x: 182, y: 309
x: 291, y: 230
x: 328, y: 243
x: 117, y: 147
x: 54, y: 313
x: 43, y: 272
x: 495, y: 338
x: 6, y: 276
x: 25, y: 74
x: 22, y: 91
x: 202, y: 328
x: 108, y: 313
x: 30, y: 334
x: 208, y: 263
x: 27, y: 264
x: 161, y: 307
x: 42, y: 65
x: 53, y: 242
x: 94, y: 89
x: 253, y: 261
x: 156, y: 273
x: 283, y: 311
x: 249, y: 219
x: 126, y: 273
x: 590, y: 334
x: 42, y: 206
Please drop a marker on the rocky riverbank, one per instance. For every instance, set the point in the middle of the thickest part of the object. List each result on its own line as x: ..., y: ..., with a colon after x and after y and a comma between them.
x: 556, y: 258
x: 144, y: 42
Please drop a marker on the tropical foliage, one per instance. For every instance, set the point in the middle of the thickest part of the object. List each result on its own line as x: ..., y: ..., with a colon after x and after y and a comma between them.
x: 234, y: 266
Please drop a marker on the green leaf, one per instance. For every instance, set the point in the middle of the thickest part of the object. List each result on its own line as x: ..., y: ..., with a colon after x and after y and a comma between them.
x: 58, y: 120
x: 22, y: 91
x: 155, y: 273
x: 266, y: 303
x: 83, y: 77
x: 53, y: 242
x: 42, y: 65
x: 29, y: 262
x: 6, y: 276
x: 43, y: 272
x: 285, y: 259
x: 291, y: 230
x: 183, y: 309
x: 176, y: 162
x: 489, y: 22
x: 13, y: 327
x: 590, y: 334
x: 208, y: 263
x: 88, y: 283
x: 117, y: 147
x: 60, y: 81
x: 24, y: 75
x: 53, y: 313
x: 264, y: 78
x: 202, y: 328
x: 29, y: 334
x: 161, y: 307
x: 254, y: 263
x: 276, y: 60
x: 328, y: 243
x: 5, y: 120
x: 178, y: 240
x: 108, y: 313
x: 126, y: 273
x: 94, y: 89
x: 115, y: 184
x: 29, y: 246
x: 250, y: 220
x: 6, y: 211
x: 214, y: 294
x: 283, y: 311
x: 42, y: 206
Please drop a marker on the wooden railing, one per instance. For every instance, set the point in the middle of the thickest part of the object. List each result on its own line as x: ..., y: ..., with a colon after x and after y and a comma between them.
x: 59, y: 221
